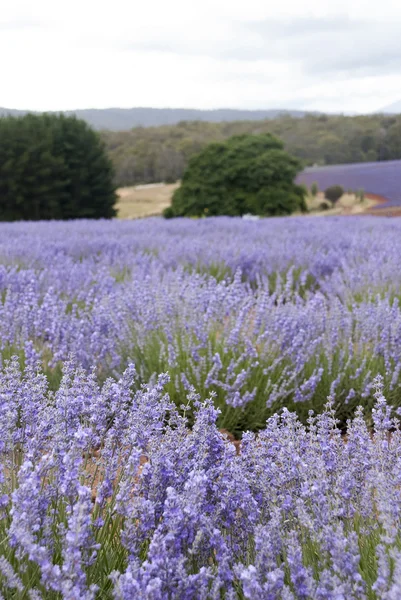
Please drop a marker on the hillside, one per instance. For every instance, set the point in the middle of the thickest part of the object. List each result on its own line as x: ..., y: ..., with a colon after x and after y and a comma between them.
x: 154, y: 154
x: 147, y: 154
x: 122, y: 119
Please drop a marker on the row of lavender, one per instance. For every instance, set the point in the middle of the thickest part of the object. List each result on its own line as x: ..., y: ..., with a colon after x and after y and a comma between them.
x: 107, y: 494
x: 123, y: 487
x: 262, y: 314
x: 381, y: 178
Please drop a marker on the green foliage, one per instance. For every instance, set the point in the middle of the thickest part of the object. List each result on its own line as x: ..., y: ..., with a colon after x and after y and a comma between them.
x: 153, y: 154
x: 53, y: 167
x: 334, y: 193
x: 360, y: 194
x: 314, y: 188
x: 168, y: 213
x: 249, y: 174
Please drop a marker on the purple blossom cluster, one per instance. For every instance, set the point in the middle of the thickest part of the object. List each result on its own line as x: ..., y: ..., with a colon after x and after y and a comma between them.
x: 278, y: 312
x: 107, y: 493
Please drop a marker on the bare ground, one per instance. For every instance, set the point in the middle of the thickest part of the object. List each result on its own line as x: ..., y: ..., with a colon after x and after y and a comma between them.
x: 144, y: 200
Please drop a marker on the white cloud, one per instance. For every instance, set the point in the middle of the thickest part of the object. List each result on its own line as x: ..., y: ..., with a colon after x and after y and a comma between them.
x: 312, y: 55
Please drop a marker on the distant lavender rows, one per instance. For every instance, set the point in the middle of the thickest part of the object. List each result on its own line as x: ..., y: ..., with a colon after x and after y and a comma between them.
x: 379, y: 178
x: 263, y: 314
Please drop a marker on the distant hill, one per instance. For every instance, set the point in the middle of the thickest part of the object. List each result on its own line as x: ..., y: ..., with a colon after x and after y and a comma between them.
x: 123, y: 119
x: 154, y: 154
x: 392, y: 109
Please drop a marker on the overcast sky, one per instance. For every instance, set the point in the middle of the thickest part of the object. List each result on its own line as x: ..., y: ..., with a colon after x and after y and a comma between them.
x: 342, y: 56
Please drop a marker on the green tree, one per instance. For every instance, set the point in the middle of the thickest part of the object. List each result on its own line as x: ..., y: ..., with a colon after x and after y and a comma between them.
x: 246, y: 174
x: 314, y: 189
x: 53, y: 167
x: 334, y: 193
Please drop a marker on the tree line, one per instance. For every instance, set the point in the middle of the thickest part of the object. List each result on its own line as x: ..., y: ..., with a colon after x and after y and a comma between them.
x: 153, y: 154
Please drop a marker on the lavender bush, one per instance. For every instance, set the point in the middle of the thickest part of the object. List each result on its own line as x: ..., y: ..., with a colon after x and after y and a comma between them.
x: 263, y: 314
x: 107, y: 493
x: 127, y: 346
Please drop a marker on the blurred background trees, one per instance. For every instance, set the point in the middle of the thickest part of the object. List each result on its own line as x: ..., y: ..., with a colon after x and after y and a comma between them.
x: 155, y: 154
x: 333, y: 193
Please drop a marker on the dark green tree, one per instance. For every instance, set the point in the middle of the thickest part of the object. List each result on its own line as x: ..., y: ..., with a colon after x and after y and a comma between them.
x: 246, y: 174
x: 334, y: 193
x: 53, y: 167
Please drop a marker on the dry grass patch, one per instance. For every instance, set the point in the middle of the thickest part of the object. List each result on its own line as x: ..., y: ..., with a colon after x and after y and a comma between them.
x: 144, y: 200
x: 150, y: 200
x: 348, y: 204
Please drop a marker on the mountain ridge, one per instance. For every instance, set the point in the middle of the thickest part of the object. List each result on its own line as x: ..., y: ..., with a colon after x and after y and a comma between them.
x: 123, y: 119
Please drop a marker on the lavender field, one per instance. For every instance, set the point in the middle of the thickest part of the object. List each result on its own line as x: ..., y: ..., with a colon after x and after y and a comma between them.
x: 382, y: 178
x: 128, y: 346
